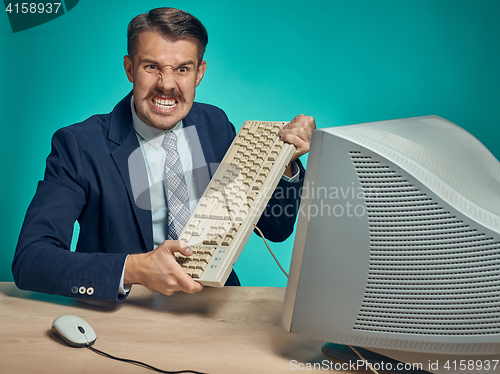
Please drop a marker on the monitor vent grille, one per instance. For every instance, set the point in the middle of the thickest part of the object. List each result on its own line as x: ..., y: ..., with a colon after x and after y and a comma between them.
x: 430, y: 273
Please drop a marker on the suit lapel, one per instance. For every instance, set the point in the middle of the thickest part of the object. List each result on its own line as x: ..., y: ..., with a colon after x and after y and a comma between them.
x: 128, y: 158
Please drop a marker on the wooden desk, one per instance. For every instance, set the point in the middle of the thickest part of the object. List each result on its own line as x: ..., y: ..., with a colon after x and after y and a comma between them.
x: 233, y: 330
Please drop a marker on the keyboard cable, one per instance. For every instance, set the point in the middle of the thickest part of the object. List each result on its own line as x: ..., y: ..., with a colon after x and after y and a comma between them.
x: 270, y: 251
x: 284, y: 272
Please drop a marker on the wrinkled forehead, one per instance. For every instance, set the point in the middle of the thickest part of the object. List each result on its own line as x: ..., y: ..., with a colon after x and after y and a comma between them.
x: 155, y: 45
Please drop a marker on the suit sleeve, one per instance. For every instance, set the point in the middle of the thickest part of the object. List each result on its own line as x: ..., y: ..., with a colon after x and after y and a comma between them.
x: 278, y: 219
x: 43, y: 261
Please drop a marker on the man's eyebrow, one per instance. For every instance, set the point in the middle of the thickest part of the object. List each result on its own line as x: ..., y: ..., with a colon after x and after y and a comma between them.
x: 154, y: 62
x: 188, y: 62
x: 148, y: 61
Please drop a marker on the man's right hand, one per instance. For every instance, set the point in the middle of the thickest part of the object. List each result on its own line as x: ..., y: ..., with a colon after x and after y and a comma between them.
x: 159, y: 271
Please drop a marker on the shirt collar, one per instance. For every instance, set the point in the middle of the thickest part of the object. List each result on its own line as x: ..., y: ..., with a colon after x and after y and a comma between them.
x: 150, y: 134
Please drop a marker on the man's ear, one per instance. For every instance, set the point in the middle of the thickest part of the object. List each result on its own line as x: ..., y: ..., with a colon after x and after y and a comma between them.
x: 202, y: 68
x: 129, y: 69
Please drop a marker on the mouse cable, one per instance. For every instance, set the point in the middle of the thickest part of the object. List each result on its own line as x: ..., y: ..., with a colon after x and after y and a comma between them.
x: 140, y: 363
x: 272, y: 254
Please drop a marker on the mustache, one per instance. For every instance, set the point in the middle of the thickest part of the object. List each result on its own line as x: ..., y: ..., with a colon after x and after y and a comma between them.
x: 175, y: 94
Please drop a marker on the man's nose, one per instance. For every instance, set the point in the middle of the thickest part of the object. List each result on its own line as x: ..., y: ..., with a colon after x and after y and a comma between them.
x: 167, y: 81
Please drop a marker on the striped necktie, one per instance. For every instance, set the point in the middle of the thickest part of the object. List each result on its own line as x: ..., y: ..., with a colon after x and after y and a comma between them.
x: 175, y: 188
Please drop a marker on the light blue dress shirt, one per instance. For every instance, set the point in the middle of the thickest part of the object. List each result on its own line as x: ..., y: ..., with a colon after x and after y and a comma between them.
x: 150, y: 139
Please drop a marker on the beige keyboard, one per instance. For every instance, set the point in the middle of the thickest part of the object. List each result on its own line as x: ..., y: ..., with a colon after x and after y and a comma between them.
x: 234, y: 200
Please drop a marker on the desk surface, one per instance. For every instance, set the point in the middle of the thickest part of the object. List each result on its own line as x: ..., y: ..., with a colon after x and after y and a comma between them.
x: 228, y: 330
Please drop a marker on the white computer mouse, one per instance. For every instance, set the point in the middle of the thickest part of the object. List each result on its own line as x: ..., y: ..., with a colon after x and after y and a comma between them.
x: 74, y: 331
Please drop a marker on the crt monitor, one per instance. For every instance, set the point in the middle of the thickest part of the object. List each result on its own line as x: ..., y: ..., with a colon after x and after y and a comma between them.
x: 397, y: 247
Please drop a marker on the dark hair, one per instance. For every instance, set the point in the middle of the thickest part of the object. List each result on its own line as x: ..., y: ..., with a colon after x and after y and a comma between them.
x: 172, y: 24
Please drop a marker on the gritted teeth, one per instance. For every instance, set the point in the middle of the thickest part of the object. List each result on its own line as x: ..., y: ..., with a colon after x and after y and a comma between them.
x: 164, y: 102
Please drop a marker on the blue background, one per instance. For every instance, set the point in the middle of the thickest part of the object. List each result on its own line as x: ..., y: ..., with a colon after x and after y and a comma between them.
x: 343, y: 62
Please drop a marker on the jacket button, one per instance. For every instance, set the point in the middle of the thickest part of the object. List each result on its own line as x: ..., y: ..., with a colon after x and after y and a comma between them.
x: 82, y: 290
x: 90, y: 291
x: 74, y: 289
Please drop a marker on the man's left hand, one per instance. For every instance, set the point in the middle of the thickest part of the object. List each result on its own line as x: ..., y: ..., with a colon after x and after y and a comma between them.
x: 298, y: 132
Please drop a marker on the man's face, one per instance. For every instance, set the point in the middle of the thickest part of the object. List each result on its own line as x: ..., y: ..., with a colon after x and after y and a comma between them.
x: 165, y: 75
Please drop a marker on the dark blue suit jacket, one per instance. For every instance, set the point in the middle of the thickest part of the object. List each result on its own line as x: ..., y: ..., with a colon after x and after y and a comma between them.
x: 87, y: 179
